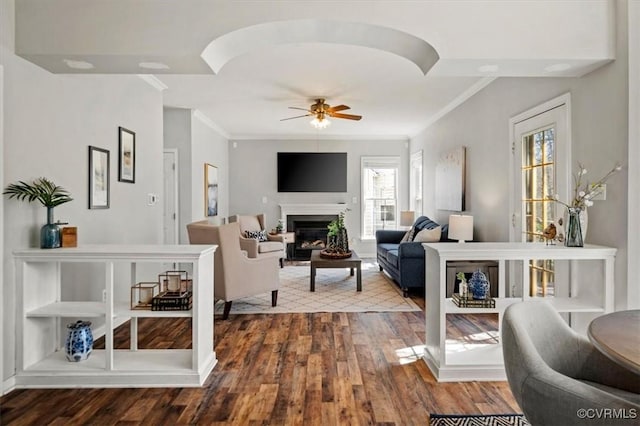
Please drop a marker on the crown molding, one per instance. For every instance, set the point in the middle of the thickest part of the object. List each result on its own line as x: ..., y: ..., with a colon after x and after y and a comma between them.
x: 210, y: 123
x: 457, y: 101
x: 307, y: 137
x: 153, y: 81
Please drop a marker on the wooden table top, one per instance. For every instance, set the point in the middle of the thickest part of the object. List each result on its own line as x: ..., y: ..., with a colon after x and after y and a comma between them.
x: 617, y: 335
x: 316, y: 259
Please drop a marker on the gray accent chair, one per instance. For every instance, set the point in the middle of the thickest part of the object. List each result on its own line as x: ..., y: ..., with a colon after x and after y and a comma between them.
x: 235, y: 275
x: 553, y: 371
x: 274, y: 246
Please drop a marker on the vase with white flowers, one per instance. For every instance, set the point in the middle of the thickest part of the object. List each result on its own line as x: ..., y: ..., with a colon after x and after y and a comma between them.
x: 584, y: 193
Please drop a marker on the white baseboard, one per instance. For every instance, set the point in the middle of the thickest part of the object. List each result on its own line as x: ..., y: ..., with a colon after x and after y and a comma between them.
x: 8, y: 385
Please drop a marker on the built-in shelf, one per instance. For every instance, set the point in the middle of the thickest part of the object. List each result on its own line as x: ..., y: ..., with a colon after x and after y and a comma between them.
x: 41, y: 361
x: 468, y: 360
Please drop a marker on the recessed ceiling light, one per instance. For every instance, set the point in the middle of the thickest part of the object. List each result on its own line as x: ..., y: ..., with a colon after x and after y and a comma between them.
x: 153, y: 65
x: 79, y: 65
x: 488, y: 68
x: 557, y: 67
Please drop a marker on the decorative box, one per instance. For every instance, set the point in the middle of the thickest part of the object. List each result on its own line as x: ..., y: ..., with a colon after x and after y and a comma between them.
x: 69, y: 236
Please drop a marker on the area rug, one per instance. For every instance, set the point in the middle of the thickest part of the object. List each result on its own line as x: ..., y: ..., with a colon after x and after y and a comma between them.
x: 335, y: 292
x: 477, y: 420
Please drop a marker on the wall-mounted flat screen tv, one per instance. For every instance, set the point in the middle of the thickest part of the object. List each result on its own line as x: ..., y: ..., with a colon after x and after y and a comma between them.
x: 312, y: 172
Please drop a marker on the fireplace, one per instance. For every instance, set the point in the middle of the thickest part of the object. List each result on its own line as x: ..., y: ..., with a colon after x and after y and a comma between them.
x: 309, y: 223
x: 311, y: 234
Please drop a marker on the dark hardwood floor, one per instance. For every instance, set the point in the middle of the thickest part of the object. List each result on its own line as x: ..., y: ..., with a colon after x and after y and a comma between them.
x: 298, y: 369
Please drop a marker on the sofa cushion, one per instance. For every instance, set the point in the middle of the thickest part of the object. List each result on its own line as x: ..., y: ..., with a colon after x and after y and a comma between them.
x: 384, y: 248
x: 392, y: 257
x: 421, y: 223
x: 428, y: 235
x: 269, y: 246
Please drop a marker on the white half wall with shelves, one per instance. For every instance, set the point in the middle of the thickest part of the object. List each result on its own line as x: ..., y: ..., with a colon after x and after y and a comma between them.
x: 43, y: 310
x: 451, y: 360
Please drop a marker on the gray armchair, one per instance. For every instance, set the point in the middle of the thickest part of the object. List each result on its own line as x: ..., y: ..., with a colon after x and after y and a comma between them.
x: 273, y: 247
x: 235, y: 275
x: 554, y: 372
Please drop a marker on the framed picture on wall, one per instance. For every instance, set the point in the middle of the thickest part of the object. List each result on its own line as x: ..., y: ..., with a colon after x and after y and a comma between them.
x: 210, y: 190
x: 126, y: 155
x: 450, y: 180
x: 98, y: 178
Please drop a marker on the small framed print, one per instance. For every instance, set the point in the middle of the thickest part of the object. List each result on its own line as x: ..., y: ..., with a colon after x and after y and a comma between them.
x: 98, y: 178
x: 126, y: 155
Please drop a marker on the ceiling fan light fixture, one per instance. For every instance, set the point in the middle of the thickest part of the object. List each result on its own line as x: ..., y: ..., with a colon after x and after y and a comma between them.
x: 320, y: 122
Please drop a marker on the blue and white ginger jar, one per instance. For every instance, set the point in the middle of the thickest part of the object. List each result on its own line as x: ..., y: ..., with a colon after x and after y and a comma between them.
x: 478, y: 285
x: 79, y: 344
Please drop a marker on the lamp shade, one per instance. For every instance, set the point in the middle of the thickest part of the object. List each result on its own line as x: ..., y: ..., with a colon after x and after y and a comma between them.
x: 407, y: 217
x: 461, y: 227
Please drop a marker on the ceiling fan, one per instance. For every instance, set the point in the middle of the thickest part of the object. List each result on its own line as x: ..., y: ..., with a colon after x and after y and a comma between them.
x: 321, y: 111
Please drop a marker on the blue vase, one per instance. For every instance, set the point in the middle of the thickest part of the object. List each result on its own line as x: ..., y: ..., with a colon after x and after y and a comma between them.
x: 79, y: 344
x: 478, y: 285
x: 50, y: 233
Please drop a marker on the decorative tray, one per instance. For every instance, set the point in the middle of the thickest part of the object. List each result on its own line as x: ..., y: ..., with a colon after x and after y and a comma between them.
x: 330, y: 255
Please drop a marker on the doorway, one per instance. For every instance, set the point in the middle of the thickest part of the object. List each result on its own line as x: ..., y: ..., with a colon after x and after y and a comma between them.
x: 541, y: 153
x: 170, y: 200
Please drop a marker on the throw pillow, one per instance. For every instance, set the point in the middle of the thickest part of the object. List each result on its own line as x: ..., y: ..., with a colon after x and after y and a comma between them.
x: 428, y: 235
x: 257, y: 235
x: 406, y: 236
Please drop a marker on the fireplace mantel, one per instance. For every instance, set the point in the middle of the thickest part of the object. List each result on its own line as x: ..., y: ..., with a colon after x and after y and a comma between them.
x: 302, y: 209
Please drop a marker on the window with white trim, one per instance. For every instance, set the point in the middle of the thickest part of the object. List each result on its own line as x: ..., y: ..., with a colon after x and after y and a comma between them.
x: 379, y: 194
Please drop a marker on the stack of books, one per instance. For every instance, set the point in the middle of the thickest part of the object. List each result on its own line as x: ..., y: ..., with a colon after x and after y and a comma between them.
x: 469, y: 302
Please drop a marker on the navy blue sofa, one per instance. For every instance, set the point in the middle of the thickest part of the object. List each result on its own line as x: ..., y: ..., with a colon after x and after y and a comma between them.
x: 404, y: 262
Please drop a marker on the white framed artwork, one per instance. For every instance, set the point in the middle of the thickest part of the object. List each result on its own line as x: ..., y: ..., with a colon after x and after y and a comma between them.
x: 450, y: 180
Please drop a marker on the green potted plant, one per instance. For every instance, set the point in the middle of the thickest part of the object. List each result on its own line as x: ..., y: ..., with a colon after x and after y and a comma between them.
x: 337, y: 239
x: 49, y: 195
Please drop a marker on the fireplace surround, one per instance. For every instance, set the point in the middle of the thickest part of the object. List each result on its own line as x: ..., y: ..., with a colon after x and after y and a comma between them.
x: 309, y: 223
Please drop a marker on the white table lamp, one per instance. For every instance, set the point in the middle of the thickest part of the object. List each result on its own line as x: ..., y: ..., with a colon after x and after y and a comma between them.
x: 461, y: 227
x: 407, y: 218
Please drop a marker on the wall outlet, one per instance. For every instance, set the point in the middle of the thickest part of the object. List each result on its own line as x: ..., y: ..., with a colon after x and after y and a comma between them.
x: 104, y: 296
x: 264, y: 200
x: 354, y: 200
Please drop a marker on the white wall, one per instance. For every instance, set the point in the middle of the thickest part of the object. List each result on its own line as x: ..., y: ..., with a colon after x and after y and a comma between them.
x: 253, y: 175
x: 49, y: 122
x: 600, y: 138
x: 634, y: 152
x: 197, y: 143
x: 208, y: 146
x: 177, y: 134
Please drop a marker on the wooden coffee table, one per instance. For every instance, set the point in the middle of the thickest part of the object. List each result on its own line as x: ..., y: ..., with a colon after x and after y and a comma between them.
x: 352, y: 263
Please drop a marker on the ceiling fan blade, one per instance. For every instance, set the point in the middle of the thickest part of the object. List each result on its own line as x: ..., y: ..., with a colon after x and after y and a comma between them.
x: 347, y: 116
x: 297, y: 116
x: 303, y: 109
x: 339, y: 108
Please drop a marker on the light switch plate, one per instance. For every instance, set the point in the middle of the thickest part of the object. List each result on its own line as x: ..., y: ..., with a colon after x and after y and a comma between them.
x: 602, y: 195
x: 152, y: 199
